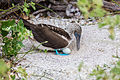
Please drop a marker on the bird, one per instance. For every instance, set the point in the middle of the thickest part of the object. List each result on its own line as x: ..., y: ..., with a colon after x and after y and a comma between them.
x: 57, y: 38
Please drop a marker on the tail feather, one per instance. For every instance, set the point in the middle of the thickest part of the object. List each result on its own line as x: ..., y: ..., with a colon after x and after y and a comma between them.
x: 27, y: 24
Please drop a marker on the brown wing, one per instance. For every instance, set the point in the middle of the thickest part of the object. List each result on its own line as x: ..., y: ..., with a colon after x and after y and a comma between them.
x: 57, y: 30
x: 45, y: 34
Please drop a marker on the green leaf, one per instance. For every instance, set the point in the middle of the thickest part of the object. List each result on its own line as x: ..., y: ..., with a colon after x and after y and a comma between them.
x: 8, y: 23
x: 20, y: 26
x: 80, y: 66
x: 112, y: 33
x: 117, y: 19
x: 118, y: 63
x: 28, y: 12
x: 4, y: 33
x: 22, y: 72
x: 45, y: 50
x: 12, y: 77
x: 23, y: 79
x: 33, y: 5
x: 116, y: 71
x: 101, y: 25
x: 3, y: 70
x: 13, y: 5
x: 21, y: 44
x: 25, y: 9
x: 26, y: 5
x: 99, y: 77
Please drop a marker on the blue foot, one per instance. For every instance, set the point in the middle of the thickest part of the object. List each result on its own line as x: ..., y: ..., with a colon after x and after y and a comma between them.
x: 60, y: 53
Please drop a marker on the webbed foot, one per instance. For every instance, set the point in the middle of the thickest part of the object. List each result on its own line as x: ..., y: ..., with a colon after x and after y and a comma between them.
x: 57, y: 53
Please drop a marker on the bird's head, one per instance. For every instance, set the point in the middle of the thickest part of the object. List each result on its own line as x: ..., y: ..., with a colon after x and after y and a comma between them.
x: 77, y: 34
x: 75, y: 30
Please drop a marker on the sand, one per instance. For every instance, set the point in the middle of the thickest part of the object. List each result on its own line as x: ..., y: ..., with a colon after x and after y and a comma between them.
x: 95, y: 49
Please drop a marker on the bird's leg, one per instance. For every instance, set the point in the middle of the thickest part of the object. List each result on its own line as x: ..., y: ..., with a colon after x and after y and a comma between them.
x: 57, y: 53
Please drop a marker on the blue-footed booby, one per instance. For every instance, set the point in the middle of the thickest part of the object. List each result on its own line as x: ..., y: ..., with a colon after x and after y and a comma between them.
x: 54, y: 35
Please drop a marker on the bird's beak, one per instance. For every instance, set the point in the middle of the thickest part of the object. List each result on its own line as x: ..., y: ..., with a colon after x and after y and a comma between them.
x: 77, y: 36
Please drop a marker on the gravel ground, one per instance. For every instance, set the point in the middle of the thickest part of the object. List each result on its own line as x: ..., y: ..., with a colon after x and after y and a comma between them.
x: 95, y: 49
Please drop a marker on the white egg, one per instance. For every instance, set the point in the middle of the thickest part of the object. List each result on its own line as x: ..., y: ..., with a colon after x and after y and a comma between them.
x: 66, y: 50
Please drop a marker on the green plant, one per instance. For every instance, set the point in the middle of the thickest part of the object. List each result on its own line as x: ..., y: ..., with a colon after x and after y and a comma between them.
x: 80, y: 66
x: 112, y: 73
x: 12, y: 34
x: 20, y: 73
x: 4, y: 68
x: 93, y: 8
x: 26, y: 6
x: 113, y: 23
